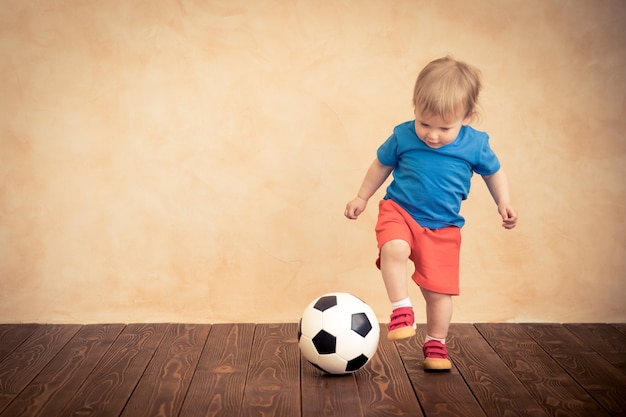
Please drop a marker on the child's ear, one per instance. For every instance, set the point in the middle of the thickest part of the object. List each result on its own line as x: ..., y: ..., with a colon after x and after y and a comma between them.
x: 468, y: 118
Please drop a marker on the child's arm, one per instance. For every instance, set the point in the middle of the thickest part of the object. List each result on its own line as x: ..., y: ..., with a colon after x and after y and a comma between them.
x: 498, y: 186
x: 374, y: 178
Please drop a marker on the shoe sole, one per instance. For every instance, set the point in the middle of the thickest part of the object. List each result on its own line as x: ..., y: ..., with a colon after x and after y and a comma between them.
x: 401, y: 333
x: 437, y: 365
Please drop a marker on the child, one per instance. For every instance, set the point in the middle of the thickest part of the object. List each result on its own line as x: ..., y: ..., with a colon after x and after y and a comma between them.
x: 432, y: 159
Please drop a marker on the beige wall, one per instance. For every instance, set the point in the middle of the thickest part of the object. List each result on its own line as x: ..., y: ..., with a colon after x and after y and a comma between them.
x: 190, y: 160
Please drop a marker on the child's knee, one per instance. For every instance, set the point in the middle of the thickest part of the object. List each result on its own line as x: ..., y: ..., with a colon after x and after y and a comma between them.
x: 435, y: 297
x: 396, y: 249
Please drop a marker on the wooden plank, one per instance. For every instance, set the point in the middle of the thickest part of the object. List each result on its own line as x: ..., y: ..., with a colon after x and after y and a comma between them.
x: 55, y: 385
x: 620, y: 326
x: 108, y: 387
x: 605, y: 339
x: 13, y: 335
x: 273, y: 384
x: 244, y: 370
x: 19, y: 368
x: 163, y: 386
x: 594, y: 373
x: 553, y: 389
x: 218, y: 384
x: 443, y: 394
x: 384, y: 386
x: 496, y: 388
x: 328, y: 395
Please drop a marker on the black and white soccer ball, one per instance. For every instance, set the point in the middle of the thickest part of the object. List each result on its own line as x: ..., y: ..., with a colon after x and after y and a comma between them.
x: 338, y: 333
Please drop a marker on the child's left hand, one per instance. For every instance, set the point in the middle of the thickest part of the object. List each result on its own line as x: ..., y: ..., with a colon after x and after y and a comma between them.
x: 509, y: 216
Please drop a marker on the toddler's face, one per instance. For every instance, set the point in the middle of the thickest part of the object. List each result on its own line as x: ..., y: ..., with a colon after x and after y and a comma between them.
x: 435, y: 131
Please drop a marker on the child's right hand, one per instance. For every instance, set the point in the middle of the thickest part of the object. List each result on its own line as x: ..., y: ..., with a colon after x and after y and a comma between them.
x: 355, y: 207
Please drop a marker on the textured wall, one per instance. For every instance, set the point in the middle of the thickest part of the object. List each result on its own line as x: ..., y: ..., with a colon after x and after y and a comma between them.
x: 190, y: 160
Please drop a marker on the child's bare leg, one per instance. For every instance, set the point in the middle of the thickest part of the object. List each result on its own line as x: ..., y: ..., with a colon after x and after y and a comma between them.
x: 438, y: 316
x: 393, y: 267
x: 438, y: 313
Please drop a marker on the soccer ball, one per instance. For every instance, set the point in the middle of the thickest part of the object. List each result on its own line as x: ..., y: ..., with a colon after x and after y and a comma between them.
x: 338, y: 333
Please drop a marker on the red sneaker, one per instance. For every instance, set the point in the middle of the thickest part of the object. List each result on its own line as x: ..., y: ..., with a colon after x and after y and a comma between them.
x: 436, y: 356
x: 401, y: 324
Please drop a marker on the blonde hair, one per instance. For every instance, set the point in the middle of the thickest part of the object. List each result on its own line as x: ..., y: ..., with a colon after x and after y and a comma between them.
x: 446, y: 87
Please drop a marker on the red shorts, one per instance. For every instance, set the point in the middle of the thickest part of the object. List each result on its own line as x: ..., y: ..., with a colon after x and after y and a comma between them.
x: 435, y: 252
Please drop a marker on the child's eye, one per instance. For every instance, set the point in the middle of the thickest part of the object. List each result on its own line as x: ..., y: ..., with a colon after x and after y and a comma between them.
x: 445, y: 129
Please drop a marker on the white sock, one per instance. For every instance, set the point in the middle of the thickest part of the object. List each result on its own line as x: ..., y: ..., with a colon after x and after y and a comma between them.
x: 429, y: 338
x: 405, y: 302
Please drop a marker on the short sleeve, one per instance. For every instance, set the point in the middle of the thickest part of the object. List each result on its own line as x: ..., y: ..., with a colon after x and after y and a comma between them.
x: 388, y: 152
x: 488, y: 162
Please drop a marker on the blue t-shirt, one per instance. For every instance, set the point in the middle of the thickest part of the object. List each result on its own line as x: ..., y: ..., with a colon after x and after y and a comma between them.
x: 430, y: 184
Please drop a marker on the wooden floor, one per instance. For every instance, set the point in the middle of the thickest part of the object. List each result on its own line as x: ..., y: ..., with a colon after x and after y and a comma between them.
x: 186, y: 370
